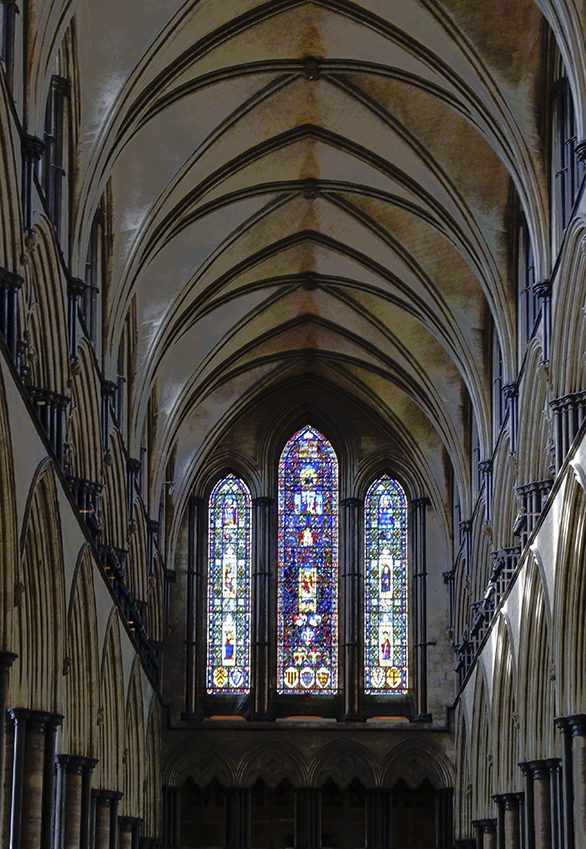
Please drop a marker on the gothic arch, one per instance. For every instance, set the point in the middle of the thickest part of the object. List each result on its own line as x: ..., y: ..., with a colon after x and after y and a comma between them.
x: 414, y: 762
x: 9, y: 544
x: 570, y: 605
x: 10, y: 209
x: 82, y: 661
x: 115, y: 495
x: 135, y: 766
x: 481, y: 755
x: 535, y: 667
x: 84, y: 417
x: 534, y: 429
x: 40, y: 598
x: 211, y: 762
x: 504, y: 506
x: 568, y: 319
x: 505, y: 720
x: 112, y: 713
x: 343, y: 761
x: 272, y: 761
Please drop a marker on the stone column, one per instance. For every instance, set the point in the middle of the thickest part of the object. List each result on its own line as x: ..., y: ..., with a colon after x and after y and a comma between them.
x: 541, y: 804
x: 554, y: 766
x: 485, y: 833
x: 577, y: 727
x: 351, y: 536
x: 511, y: 821
x: 85, y: 832
x: 307, y: 818
x: 106, y: 815
x: 73, y: 812
x: 378, y: 818
x: 31, y: 817
x: 444, y: 818
x: 129, y: 832
x: 237, y: 818
x: 7, y: 658
x: 262, y: 514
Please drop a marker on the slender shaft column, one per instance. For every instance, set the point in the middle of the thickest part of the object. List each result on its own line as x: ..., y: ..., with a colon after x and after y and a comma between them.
x: 577, y: 725
x: 529, y: 808
x: 7, y: 658
x: 307, y: 818
x: 352, y: 521
x: 567, y: 785
x: 196, y: 517
x: 419, y: 507
x: 85, y: 831
x: 106, y: 810
x: 262, y: 512
x: 73, y: 813
x: 541, y: 804
x: 237, y: 818
x: 171, y: 817
x: 444, y: 818
x: 511, y: 808
x: 378, y: 818
x: 114, y: 836
x: 125, y: 832
x: 554, y: 766
x: 485, y: 833
x: 48, y: 816
x: 19, y: 717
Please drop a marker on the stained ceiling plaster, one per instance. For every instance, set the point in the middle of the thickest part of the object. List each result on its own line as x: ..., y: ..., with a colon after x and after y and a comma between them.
x: 317, y: 189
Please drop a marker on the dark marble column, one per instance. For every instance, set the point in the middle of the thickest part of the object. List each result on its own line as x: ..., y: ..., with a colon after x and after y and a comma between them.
x: 19, y: 718
x: 48, y: 816
x: 378, y: 818
x: 171, y: 816
x: 193, y: 654
x: 7, y: 658
x: 419, y: 535
x: 237, y: 833
x: 554, y: 766
x: 444, y: 817
x: 529, y: 808
x: 351, y: 536
x: 567, y: 785
x: 307, y: 818
x: 262, y: 512
x: 577, y: 727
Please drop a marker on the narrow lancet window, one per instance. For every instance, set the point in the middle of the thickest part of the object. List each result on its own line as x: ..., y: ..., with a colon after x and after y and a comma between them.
x: 307, y: 648
x: 385, y: 589
x: 229, y: 586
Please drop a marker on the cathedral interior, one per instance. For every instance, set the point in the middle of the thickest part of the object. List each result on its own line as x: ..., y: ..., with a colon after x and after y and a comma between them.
x: 293, y: 424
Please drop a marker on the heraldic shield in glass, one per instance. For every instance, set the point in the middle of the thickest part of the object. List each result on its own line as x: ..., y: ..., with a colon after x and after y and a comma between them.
x: 308, y: 566
x: 229, y: 603
x: 385, y: 588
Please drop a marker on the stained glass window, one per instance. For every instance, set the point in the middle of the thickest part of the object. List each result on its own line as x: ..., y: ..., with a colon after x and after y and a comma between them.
x: 307, y: 646
x: 229, y: 566
x: 385, y: 588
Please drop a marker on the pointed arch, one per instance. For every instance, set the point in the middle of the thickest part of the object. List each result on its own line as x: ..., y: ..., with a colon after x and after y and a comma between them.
x: 504, y: 723
x: 40, y: 598
x: 9, y: 549
x: 135, y: 745
x: 113, y: 707
x: 229, y: 587
x: 386, y: 591
x: 82, y: 662
x: 307, y: 586
x: 84, y: 436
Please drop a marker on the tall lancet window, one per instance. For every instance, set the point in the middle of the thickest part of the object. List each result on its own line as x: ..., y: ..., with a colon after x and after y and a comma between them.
x: 385, y: 589
x: 229, y: 567
x: 307, y: 647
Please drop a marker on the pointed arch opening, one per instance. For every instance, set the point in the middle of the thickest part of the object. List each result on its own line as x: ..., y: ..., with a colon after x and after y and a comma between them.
x: 386, y: 592
x: 229, y: 588
x: 307, y: 587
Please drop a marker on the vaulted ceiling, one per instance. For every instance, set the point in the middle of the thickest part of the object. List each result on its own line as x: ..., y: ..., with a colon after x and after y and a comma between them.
x: 314, y: 191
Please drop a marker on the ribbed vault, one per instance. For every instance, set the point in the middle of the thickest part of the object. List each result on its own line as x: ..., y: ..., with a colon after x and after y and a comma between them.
x: 313, y: 192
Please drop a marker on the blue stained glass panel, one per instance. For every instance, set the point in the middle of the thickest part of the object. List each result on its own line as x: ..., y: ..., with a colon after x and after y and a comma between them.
x: 385, y: 589
x: 229, y: 587
x: 307, y: 620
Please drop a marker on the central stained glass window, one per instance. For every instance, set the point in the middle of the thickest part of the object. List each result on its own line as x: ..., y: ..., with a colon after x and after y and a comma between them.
x: 229, y: 566
x: 385, y: 588
x: 307, y: 621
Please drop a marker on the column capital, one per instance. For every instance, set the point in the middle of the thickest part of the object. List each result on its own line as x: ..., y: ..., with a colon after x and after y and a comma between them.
x: 486, y: 826
x: 76, y: 764
x: 421, y: 503
x: 542, y: 290
x: 107, y: 798
x: 537, y: 770
x: 32, y: 148
x: 130, y: 824
x: 580, y: 150
x: 109, y: 388
x: 511, y: 390
x: 509, y: 801
x: 576, y: 724
x: 352, y: 502
x: 485, y: 466
x: 553, y: 764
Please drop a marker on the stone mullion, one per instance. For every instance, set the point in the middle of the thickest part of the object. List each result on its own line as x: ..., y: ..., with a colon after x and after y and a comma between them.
x: 307, y: 818
x: 419, y: 536
x: 262, y: 512
x: 351, y: 536
x: 378, y: 820
x: 195, y: 654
